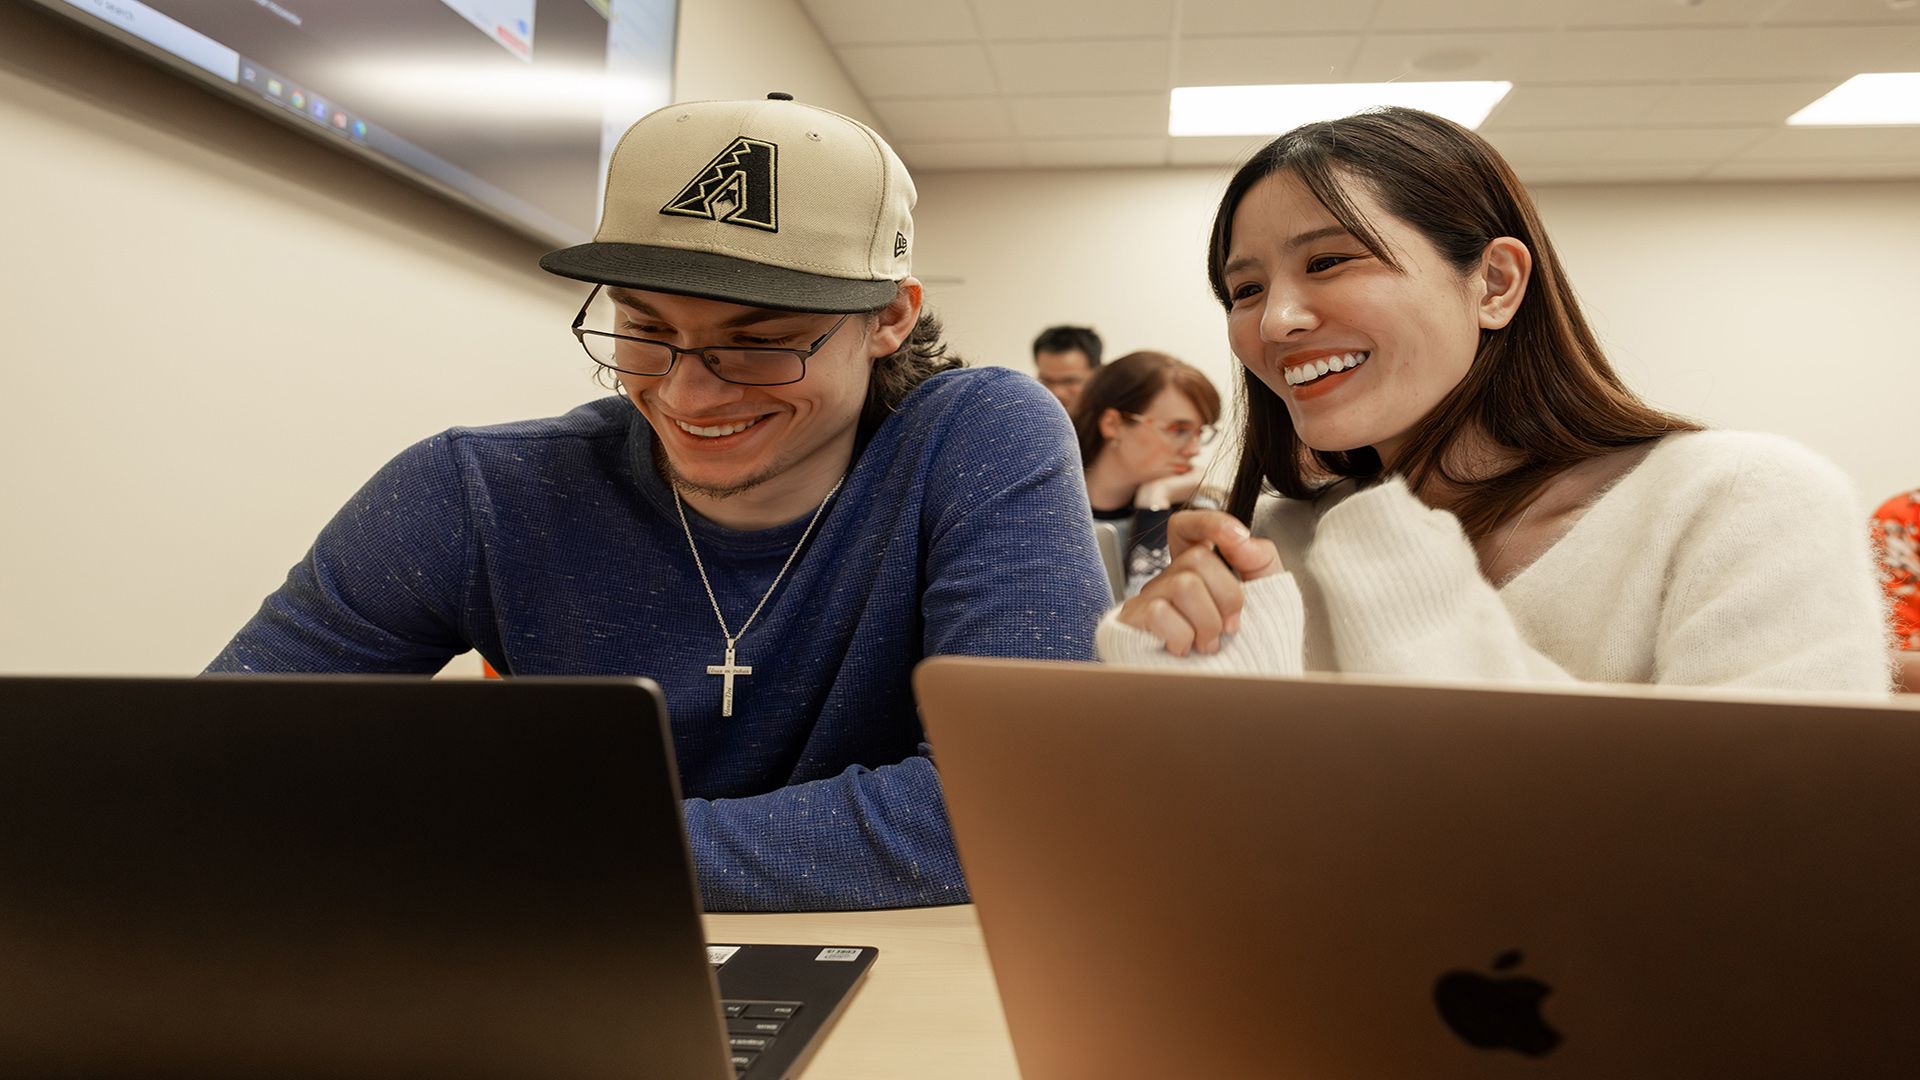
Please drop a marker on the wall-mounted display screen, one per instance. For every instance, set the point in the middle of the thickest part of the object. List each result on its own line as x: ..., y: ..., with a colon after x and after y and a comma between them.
x: 512, y: 106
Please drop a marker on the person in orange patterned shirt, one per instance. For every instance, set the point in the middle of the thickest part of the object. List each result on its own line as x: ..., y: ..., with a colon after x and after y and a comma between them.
x: 1896, y: 540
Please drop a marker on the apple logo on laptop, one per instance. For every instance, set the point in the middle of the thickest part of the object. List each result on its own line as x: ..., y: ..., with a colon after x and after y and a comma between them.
x: 1496, y: 1013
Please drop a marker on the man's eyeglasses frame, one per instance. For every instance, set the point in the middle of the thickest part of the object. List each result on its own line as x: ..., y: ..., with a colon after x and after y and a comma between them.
x: 675, y: 352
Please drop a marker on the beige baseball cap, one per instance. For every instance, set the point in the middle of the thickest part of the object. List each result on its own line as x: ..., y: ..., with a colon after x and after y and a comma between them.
x: 770, y: 203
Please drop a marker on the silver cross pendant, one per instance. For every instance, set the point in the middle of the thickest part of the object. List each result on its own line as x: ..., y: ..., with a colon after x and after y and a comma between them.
x: 727, y: 671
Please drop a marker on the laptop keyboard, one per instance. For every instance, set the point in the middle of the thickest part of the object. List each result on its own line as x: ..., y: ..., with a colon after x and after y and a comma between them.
x: 762, y: 987
x: 752, y: 1028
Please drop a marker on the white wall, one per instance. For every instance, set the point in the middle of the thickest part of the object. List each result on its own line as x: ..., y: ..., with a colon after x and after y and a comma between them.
x: 749, y: 48
x: 213, y: 329
x: 1792, y: 308
x: 1776, y: 307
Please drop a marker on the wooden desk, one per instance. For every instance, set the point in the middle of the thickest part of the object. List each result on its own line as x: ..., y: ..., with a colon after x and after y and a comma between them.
x: 927, y: 1009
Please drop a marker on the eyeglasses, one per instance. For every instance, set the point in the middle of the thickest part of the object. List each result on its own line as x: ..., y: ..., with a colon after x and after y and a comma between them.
x: 1179, y: 431
x: 745, y: 365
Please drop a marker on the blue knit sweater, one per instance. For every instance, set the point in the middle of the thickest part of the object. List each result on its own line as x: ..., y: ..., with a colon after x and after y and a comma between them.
x: 553, y: 548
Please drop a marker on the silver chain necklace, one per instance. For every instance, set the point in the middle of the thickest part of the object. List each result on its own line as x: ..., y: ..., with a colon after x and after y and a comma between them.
x: 729, y: 670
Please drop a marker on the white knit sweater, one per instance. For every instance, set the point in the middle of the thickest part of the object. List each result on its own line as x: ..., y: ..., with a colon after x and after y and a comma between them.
x: 1722, y: 559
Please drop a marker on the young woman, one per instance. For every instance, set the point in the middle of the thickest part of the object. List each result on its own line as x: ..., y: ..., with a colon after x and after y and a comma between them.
x: 1445, y: 477
x: 1141, y: 421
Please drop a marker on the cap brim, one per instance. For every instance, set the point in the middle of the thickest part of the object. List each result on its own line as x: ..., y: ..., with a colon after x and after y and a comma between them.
x: 716, y: 277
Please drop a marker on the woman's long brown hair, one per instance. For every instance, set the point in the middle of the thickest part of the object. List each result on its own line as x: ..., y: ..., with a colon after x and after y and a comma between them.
x: 1540, y: 388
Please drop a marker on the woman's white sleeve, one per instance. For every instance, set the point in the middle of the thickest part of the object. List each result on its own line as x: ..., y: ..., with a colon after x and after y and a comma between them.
x: 1272, y: 627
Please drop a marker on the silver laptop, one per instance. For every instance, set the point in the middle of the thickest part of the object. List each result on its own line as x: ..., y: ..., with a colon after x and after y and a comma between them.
x: 1185, y: 875
x: 370, y: 877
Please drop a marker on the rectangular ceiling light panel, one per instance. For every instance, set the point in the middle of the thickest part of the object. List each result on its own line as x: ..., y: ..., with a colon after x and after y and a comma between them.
x: 1270, y: 110
x: 1888, y: 97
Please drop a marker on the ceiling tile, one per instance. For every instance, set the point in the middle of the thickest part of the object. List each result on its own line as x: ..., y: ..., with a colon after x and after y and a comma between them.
x: 1606, y: 90
x: 1627, y: 55
x: 1696, y: 53
x: 1239, y: 18
x: 1710, y: 53
x: 1864, y: 144
x: 1663, y: 13
x: 1736, y: 103
x: 945, y: 119
x: 1533, y: 106
x: 1215, y: 149
x: 1815, y: 170
x: 1016, y: 20
x: 1702, y: 145
x: 919, y: 70
x: 1515, y: 56
x: 953, y: 156
x: 1123, y: 114
x: 1470, y: 15
x: 1637, y: 146
x: 1610, y: 173
x: 1081, y: 66
x: 1812, y: 52
x: 1096, y: 153
x: 1868, y: 12
x: 1260, y: 60
x: 1554, y: 147
x: 854, y: 22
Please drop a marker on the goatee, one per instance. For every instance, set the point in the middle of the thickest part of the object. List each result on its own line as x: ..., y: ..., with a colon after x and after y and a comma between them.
x: 663, y: 465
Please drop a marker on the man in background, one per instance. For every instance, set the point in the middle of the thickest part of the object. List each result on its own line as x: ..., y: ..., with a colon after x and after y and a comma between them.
x: 1064, y: 358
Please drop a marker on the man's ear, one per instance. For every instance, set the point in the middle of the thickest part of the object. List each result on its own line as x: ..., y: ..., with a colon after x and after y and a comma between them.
x: 1505, y: 268
x: 888, y: 328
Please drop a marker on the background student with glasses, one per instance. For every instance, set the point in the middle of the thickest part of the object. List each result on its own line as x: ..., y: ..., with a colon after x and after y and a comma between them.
x: 795, y: 496
x: 1142, y: 422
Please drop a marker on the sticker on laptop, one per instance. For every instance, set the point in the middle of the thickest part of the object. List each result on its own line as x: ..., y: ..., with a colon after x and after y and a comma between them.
x: 720, y: 954
x: 842, y: 955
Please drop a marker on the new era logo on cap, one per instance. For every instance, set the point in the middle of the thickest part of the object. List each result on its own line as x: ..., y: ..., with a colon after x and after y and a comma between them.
x: 767, y: 203
x: 739, y: 186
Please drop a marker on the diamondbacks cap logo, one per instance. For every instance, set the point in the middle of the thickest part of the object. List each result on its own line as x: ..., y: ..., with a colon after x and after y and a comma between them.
x: 737, y: 187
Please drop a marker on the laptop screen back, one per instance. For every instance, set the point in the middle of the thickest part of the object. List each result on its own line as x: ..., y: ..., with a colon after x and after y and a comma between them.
x: 346, y: 877
x: 1315, y: 877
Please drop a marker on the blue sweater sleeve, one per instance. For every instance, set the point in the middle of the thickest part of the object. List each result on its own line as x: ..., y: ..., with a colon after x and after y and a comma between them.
x: 1011, y: 570
x: 381, y: 588
x: 867, y: 838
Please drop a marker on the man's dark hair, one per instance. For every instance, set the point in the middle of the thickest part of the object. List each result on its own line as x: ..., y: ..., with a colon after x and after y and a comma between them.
x: 1059, y: 339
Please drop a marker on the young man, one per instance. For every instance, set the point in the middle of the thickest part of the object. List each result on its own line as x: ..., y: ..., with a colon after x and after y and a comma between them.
x: 1063, y: 360
x: 793, y: 500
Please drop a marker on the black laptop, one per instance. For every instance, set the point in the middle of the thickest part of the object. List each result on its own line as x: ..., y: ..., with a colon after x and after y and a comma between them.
x: 330, y: 877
